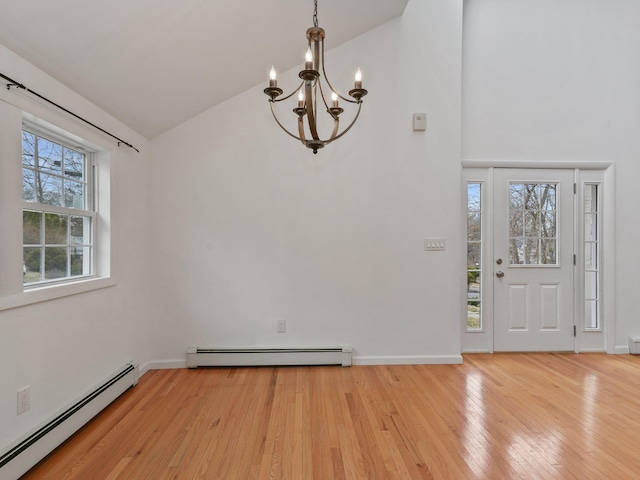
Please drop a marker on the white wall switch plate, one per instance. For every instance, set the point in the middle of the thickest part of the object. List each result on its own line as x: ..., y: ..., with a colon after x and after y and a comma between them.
x: 431, y: 244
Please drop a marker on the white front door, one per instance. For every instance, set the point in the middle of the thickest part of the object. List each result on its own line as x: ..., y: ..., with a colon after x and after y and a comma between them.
x: 533, y: 260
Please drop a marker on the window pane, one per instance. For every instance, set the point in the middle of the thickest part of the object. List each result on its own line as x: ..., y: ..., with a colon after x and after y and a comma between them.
x: 548, y: 253
x: 531, y: 251
x: 31, y: 227
x: 473, y: 285
x: 590, y: 226
x: 80, y: 230
x: 473, y: 315
x: 73, y: 194
x: 473, y: 226
x: 547, y: 196
x: 591, y: 314
x: 31, y: 269
x: 28, y: 185
x: 590, y: 285
x: 516, y: 223
x: 548, y: 224
x: 531, y: 197
x: 55, y: 262
x: 28, y: 149
x: 49, y: 156
x: 590, y: 198
x: 516, y: 251
x: 473, y: 256
x: 532, y: 223
x: 73, y: 164
x: 48, y: 188
x: 516, y: 196
x: 80, y: 261
x: 473, y: 197
x: 590, y: 255
x: 55, y: 229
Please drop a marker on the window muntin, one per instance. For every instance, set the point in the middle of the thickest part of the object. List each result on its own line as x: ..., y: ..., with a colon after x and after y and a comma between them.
x: 58, y: 215
x: 474, y: 256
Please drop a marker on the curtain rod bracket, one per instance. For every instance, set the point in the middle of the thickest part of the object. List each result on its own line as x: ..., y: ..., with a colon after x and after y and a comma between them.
x: 17, y: 85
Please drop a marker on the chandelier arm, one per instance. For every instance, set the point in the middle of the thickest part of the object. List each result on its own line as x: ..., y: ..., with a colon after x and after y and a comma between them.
x: 326, y: 79
x: 302, y: 138
x: 349, y: 127
x: 336, y: 126
x: 281, y: 126
x: 310, y: 110
x: 290, y: 95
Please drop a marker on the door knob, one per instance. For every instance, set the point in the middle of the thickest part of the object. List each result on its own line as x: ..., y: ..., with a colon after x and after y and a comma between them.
x: 499, y: 274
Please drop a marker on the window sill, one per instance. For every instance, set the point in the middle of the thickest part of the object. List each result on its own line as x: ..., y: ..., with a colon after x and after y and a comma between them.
x: 51, y: 292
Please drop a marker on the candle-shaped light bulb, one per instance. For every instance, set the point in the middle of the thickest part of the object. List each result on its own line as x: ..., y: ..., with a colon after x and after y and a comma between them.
x: 358, y: 81
x: 308, y: 60
x: 334, y: 99
x: 300, y: 99
x: 273, y: 82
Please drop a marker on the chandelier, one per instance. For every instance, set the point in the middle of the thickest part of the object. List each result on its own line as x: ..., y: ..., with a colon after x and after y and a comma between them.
x: 312, y: 92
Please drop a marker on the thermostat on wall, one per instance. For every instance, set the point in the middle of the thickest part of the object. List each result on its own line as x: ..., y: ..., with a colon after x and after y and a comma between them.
x: 419, y: 122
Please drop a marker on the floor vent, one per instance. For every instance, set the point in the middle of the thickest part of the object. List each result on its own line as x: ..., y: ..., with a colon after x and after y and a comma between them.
x: 20, y: 457
x: 262, y: 357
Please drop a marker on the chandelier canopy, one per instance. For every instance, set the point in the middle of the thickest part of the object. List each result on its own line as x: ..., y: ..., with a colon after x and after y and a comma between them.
x: 315, y: 89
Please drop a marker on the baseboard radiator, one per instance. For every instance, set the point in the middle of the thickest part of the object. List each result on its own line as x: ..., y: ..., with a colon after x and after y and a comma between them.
x: 262, y: 357
x: 24, y: 454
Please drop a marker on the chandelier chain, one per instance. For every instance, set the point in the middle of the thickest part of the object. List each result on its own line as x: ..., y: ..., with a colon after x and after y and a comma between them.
x: 315, y: 13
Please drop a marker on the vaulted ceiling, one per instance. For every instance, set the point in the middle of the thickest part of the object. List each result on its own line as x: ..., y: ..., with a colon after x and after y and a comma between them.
x: 153, y: 64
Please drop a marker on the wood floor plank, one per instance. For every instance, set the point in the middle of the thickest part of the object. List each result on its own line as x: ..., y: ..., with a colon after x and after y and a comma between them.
x: 501, y: 416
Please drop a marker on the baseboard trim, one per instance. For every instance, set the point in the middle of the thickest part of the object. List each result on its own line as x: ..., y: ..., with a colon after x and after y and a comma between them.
x: 167, y: 364
x: 621, y: 350
x: 408, y: 360
x: 357, y: 360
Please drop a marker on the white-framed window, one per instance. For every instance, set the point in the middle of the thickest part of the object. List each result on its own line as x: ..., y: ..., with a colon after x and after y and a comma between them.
x: 55, y: 208
x: 58, y: 215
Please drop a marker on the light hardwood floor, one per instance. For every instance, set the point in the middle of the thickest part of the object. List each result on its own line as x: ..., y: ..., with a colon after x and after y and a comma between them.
x: 502, y: 416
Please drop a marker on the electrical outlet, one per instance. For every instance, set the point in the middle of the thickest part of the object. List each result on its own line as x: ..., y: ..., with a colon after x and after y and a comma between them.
x: 282, y: 326
x: 24, y: 399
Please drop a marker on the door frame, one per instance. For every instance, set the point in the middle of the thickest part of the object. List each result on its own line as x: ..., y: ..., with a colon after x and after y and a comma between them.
x: 601, y: 173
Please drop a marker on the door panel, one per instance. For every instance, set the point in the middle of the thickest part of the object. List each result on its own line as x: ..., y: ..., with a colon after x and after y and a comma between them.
x: 533, y: 264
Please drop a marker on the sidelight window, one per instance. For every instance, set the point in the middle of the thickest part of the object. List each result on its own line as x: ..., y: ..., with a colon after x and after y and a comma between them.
x: 591, y: 257
x: 474, y: 257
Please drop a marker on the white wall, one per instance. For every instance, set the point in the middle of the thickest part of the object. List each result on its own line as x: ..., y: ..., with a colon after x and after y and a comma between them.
x: 248, y: 226
x: 558, y: 81
x: 63, y: 347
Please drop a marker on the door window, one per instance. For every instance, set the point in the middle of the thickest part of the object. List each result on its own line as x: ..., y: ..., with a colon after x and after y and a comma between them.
x: 533, y: 236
